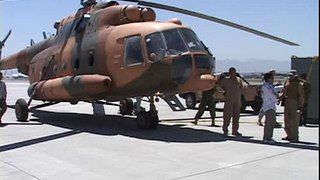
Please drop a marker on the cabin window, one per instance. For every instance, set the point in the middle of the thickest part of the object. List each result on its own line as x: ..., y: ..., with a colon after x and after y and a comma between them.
x: 76, y: 64
x: 91, y: 58
x: 55, y: 69
x: 64, y: 66
x: 133, y: 51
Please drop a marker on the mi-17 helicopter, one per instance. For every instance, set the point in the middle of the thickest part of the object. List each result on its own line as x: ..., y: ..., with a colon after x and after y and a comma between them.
x: 111, y: 52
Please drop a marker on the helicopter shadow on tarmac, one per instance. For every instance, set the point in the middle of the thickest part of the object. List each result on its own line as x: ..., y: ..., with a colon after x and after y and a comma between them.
x: 110, y: 125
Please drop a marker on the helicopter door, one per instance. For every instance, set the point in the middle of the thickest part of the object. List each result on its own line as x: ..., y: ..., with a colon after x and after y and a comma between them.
x: 133, y: 51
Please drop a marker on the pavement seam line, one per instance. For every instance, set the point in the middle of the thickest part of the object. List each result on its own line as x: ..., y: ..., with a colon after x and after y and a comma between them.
x: 234, y: 165
x: 19, y: 169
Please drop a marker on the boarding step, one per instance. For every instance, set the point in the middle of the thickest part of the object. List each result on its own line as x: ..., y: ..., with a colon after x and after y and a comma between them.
x: 173, y: 102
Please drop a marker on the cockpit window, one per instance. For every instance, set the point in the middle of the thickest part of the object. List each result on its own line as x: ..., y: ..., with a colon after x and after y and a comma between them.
x: 172, y: 42
x: 155, y: 44
x: 133, y: 51
x: 193, y: 43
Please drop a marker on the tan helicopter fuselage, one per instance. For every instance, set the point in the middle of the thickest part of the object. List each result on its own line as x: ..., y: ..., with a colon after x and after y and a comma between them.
x: 88, y: 58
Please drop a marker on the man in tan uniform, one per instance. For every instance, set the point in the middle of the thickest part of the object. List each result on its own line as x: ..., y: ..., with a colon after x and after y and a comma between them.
x: 232, y: 86
x: 293, y: 104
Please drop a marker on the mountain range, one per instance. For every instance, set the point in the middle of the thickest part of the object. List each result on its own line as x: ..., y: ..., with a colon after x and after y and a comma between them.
x: 253, y: 65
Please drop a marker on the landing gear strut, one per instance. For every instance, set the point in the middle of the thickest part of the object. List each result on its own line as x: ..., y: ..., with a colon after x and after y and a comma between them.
x: 150, y: 119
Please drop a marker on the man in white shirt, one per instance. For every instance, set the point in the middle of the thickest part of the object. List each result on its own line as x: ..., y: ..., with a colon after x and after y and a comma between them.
x: 269, y: 96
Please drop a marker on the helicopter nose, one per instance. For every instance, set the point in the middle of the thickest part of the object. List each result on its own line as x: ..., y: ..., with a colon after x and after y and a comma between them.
x: 181, y: 69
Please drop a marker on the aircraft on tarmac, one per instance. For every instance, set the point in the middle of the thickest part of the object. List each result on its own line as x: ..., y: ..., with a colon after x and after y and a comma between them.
x: 111, y: 52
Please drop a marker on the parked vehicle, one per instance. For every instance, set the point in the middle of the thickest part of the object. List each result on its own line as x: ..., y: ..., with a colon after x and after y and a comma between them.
x: 251, y: 95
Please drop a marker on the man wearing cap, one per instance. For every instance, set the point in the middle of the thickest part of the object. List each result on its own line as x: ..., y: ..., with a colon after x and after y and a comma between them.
x: 232, y: 86
x: 293, y: 104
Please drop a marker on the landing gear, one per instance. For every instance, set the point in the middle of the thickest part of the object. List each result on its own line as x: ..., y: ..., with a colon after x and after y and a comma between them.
x: 126, y: 106
x: 21, y: 110
x: 147, y: 120
x: 150, y: 119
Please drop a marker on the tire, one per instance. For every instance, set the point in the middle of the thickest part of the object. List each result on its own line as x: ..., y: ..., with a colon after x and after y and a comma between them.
x: 126, y: 106
x: 146, y: 120
x: 21, y: 110
x: 257, y: 104
x: 243, y: 104
x: 191, y: 101
x: 143, y: 121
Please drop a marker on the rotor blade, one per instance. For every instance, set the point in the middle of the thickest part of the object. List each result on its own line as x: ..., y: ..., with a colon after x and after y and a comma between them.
x: 213, y: 19
x: 5, y: 39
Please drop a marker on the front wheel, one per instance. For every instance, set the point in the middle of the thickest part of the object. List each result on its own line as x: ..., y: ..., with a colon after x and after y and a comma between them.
x: 191, y: 101
x: 257, y: 104
x: 21, y: 110
x: 243, y: 104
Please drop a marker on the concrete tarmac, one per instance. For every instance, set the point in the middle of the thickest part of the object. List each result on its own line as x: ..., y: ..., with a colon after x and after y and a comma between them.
x: 66, y: 141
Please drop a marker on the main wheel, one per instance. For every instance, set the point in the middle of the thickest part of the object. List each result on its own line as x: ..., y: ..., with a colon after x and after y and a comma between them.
x: 21, y: 110
x: 126, y: 106
x: 257, y: 104
x: 147, y: 120
x: 143, y: 121
x: 243, y: 104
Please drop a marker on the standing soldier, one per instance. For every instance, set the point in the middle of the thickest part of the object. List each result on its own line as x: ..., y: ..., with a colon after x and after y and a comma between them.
x: 3, y: 97
x: 293, y: 104
x: 207, y: 100
x: 232, y: 86
x: 306, y: 90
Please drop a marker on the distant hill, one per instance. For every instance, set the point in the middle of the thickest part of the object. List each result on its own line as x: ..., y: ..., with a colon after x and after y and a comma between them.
x: 258, y: 65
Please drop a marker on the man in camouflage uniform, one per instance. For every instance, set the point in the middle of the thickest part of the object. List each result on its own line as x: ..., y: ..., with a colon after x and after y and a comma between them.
x: 207, y: 100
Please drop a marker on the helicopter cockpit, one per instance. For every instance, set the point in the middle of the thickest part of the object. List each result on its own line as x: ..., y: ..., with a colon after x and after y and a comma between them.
x: 185, y: 47
x: 172, y: 42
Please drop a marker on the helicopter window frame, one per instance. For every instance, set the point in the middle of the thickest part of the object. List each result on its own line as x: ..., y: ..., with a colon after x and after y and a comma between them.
x: 76, y: 63
x: 133, y: 51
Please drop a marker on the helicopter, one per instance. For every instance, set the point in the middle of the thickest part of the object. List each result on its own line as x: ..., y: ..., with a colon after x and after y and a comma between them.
x: 108, y: 52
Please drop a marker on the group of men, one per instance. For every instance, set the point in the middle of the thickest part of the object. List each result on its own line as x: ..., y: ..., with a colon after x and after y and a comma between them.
x: 232, y: 87
x: 294, y: 96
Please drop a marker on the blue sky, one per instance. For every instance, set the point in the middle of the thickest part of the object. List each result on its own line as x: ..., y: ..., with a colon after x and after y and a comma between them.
x: 294, y: 20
